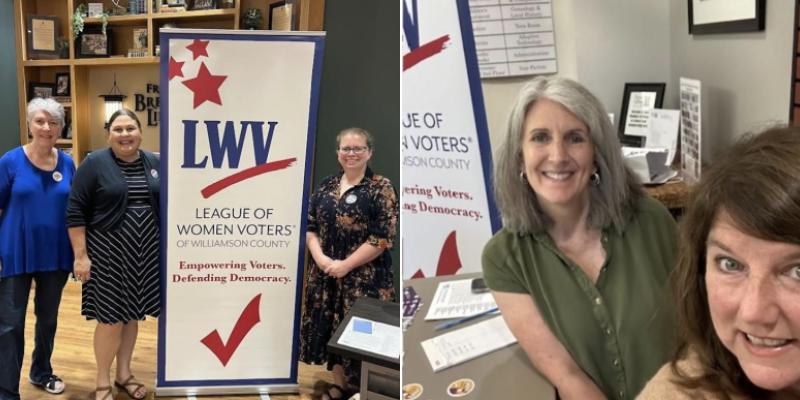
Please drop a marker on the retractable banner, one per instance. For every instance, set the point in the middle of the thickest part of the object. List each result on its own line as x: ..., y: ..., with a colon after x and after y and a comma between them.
x: 237, y: 132
x: 448, y: 212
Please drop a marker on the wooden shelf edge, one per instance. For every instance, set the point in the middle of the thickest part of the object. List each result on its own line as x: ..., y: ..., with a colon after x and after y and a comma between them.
x: 117, y: 18
x: 117, y: 61
x: 196, y: 13
x: 61, y: 62
x: 64, y: 141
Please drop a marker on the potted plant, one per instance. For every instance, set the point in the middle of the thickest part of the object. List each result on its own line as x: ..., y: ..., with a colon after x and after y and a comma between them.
x: 81, y: 11
x: 251, y: 19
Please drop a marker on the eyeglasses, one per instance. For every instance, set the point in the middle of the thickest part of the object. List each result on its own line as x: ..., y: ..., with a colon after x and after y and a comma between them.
x: 354, y: 150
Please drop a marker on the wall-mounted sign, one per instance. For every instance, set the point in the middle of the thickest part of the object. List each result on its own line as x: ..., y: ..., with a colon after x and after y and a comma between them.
x: 149, y: 102
x: 514, y: 37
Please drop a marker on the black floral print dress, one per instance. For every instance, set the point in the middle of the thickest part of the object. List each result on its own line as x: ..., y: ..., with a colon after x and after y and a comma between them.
x: 366, y: 213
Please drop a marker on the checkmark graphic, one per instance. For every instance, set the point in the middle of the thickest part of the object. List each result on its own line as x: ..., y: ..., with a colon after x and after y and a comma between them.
x: 249, y: 318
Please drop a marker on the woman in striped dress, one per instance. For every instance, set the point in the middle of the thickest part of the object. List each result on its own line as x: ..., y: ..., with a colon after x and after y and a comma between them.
x: 113, y: 225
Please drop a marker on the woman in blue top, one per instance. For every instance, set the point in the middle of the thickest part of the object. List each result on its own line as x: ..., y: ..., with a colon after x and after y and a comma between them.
x: 35, y: 182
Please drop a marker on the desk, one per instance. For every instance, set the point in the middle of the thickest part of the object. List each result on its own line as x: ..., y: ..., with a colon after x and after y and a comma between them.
x: 673, y: 195
x: 504, y: 374
x: 380, y: 375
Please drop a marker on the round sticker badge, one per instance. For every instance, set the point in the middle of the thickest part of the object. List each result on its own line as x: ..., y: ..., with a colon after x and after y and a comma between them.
x: 57, y: 176
x: 350, y: 199
x: 461, y: 387
x: 154, y: 173
x: 412, y: 391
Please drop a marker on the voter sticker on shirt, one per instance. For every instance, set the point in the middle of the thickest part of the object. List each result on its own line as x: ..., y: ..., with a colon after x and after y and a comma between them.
x: 412, y: 391
x: 350, y: 199
x: 154, y: 173
x: 57, y: 176
x: 461, y: 387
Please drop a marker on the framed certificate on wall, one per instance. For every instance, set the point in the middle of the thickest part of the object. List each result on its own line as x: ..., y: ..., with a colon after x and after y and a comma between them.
x: 280, y: 16
x: 41, y: 37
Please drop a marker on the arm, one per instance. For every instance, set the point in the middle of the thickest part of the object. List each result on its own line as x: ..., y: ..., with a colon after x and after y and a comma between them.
x: 315, y: 248
x: 81, y: 267
x: 363, y: 254
x: 544, y: 350
x: 78, y: 216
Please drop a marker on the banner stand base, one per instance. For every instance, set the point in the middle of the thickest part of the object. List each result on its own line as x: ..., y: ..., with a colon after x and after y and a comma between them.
x: 220, y: 390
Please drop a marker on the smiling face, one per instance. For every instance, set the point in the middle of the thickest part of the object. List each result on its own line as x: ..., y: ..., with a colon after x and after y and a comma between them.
x: 124, y: 137
x: 754, y: 298
x: 353, y: 152
x: 45, y: 130
x: 558, y: 155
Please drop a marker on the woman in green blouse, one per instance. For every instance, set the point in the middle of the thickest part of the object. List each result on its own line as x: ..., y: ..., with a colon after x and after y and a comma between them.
x: 580, y: 268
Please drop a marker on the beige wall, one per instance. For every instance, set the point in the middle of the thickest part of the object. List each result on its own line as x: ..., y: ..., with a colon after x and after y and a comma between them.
x: 130, y: 80
x: 746, y: 76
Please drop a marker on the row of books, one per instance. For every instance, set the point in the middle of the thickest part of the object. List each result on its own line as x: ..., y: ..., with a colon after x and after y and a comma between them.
x: 136, y: 7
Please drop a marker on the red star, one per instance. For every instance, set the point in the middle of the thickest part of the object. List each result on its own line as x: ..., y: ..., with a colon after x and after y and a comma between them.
x: 175, y: 68
x: 205, y: 86
x: 198, y: 48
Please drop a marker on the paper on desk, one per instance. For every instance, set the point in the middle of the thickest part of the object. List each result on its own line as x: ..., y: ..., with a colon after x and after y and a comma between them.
x: 454, y: 299
x: 648, y: 164
x: 664, y: 132
x: 371, y: 336
x: 464, y: 344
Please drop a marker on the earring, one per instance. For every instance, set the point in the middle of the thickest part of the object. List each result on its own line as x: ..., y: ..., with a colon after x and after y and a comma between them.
x: 522, y: 177
x: 595, y: 178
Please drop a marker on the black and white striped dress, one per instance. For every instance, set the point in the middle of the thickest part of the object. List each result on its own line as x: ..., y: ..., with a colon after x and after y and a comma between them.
x: 124, y: 284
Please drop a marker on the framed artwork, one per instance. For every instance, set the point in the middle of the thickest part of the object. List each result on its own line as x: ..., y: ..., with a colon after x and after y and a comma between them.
x: 638, y: 100
x: 62, y: 84
x: 724, y: 16
x: 93, y: 43
x: 204, y: 5
x: 280, y: 16
x: 139, y: 38
x: 41, y: 37
x: 41, y: 89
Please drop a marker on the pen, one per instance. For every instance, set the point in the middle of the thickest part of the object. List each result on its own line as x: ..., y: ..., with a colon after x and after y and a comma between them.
x: 450, y: 324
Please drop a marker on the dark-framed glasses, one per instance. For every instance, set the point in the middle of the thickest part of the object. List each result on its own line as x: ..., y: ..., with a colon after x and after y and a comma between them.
x: 354, y: 150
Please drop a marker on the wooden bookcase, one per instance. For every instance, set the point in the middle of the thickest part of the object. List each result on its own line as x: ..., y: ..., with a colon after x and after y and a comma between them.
x: 90, y: 77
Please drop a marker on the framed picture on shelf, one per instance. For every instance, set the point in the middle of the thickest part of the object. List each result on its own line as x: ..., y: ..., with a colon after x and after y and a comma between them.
x: 139, y: 38
x: 204, y: 5
x: 724, y: 16
x: 62, y: 84
x: 638, y: 100
x: 93, y: 43
x: 41, y: 89
x: 42, y: 37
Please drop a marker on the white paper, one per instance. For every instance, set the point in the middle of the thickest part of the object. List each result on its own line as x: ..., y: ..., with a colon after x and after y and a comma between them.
x: 382, y: 339
x: 461, y: 345
x: 637, y: 122
x: 664, y: 132
x: 454, y: 299
x: 648, y: 164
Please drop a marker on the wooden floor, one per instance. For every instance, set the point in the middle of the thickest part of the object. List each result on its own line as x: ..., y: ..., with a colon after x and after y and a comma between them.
x: 73, y: 358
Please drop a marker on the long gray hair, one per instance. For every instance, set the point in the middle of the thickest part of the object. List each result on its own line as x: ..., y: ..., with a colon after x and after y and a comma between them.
x: 610, y: 201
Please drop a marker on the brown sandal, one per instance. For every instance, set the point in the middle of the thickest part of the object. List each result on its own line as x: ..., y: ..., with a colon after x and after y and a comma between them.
x: 107, y: 389
x: 136, y: 386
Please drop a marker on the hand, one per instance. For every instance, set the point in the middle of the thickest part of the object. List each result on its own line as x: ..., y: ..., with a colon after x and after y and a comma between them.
x: 337, y: 269
x: 81, y: 268
x: 323, y: 262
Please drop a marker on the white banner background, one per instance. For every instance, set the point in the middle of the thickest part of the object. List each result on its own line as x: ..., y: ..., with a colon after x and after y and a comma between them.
x: 257, y: 224
x: 445, y: 147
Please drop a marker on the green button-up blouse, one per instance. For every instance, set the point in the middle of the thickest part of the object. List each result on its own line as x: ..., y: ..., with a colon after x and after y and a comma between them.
x: 619, y: 330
